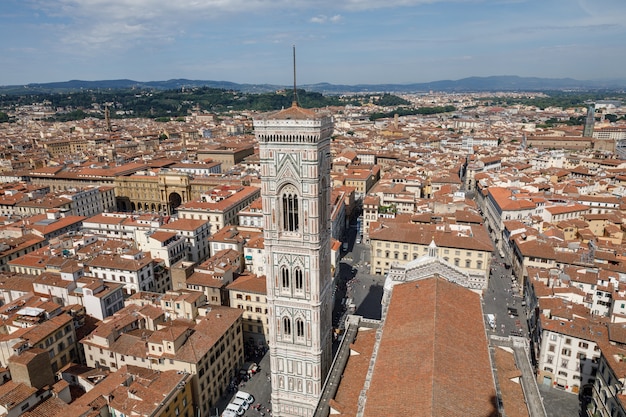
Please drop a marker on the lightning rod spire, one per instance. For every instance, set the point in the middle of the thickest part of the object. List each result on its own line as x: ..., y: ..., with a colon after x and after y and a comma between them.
x: 295, y: 91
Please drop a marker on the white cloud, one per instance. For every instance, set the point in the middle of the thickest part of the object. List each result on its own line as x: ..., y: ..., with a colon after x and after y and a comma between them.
x: 93, y: 22
x: 336, y: 18
x: 321, y: 19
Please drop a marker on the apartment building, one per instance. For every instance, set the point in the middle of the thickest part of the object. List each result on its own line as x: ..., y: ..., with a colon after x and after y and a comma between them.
x: 12, y: 248
x: 166, y: 245
x: 599, y: 204
x: 370, y: 214
x: 100, y: 298
x: 90, y: 201
x: 531, y: 253
x: 361, y: 178
x: 253, y: 254
x: 12, y: 193
x: 195, y: 232
x: 502, y: 204
x: 219, y: 206
x: 53, y: 224
x: 134, y: 269
x: 609, y: 389
x: 134, y: 390
x: 464, y: 246
x: 209, y: 348
x: 228, y: 154
x: 557, y: 213
x: 569, y: 353
x: 249, y: 293
x: 210, y: 278
x: 32, y: 383
x: 252, y: 216
x: 338, y: 215
x: 211, y: 283
x: 232, y: 237
x: 111, y: 225
x: 198, y: 169
x: 180, y: 304
x: 39, y: 327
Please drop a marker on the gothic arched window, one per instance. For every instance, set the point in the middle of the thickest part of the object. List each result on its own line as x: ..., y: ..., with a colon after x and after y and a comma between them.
x: 286, y: 326
x: 284, y: 272
x: 291, y: 218
x: 299, y: 328
x: 299, y: 279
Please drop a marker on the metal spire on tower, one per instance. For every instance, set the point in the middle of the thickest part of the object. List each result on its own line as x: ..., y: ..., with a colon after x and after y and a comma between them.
x: 295, y: 91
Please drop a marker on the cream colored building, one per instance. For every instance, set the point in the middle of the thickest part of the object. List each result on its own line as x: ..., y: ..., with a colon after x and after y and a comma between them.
x: 55, y: 335
x: 466, y: 247
x: 219, y: 206
x: 209, y: 348
x: 248, y: 293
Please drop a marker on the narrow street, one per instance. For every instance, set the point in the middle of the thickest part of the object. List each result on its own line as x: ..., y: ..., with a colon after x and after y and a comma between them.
x: 503, y: 299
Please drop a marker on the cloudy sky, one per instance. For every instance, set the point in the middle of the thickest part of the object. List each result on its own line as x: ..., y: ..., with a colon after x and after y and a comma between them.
x: 337, y: 41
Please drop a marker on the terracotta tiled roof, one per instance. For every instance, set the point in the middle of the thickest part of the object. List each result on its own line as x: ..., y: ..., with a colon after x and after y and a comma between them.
x: 249, y: 283
x: 14, y: 393
x: 430, y: 362
x: 512, y: 395
x: 423, y: 234
x: 347, y: 396
x: 294, y: 112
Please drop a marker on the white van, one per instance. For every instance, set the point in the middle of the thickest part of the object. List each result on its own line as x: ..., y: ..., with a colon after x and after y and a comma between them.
x: 237, y: 409
x: 241, y: 403
x: 491, y: 319
x: 248, y: 398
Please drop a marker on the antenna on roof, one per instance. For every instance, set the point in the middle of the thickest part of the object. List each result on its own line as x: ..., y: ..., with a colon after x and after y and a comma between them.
x: 295, y: 91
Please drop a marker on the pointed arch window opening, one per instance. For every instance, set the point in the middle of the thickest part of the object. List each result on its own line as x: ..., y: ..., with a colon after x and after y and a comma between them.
x: 299, y: 328
x: 286, y: 326
x: 299, y: 279
x: 291, y: 214
x: 284, y: 271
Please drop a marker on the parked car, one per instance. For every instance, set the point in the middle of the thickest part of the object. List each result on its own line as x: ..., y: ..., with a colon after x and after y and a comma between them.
x: 245, y: 396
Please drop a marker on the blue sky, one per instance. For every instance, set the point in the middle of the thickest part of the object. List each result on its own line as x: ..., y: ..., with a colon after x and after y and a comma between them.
x: 340, y: 41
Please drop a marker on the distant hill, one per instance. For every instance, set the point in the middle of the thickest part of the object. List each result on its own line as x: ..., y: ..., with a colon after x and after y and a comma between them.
x: 471, y: 84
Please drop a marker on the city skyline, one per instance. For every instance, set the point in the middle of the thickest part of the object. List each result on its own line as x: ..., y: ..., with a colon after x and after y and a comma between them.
x: 350, y: 42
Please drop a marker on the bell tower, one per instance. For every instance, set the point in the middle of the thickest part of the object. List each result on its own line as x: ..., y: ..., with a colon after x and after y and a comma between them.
x: 295, y: 189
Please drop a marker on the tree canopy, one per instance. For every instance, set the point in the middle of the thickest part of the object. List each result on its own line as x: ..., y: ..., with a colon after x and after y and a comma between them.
x: 173, y: 104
